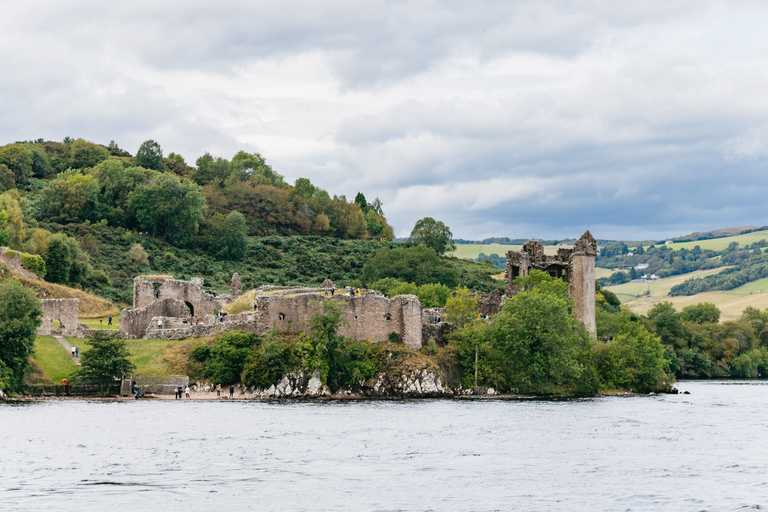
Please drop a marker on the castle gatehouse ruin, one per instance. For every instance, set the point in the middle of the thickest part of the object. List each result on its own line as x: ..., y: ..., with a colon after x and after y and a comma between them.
x: 63, y: 310
x: 574, y: 266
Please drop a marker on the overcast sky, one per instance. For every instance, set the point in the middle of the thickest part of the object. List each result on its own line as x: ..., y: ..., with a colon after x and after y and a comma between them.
x: 641, y: 119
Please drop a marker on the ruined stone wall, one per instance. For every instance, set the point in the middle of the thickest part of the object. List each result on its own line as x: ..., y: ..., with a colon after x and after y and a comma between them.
x: 64, y: 310
x: 202, y: 303
x: 366, y: 316
x: 135, y: 322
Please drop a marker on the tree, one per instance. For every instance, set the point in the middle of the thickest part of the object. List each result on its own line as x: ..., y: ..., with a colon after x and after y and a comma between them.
x: 58, y: 260
x: 234, y: 236
x: 19, y: 319
x: 252, y: 166
x: 7, y: 178
x: 105, y: 360
x: 14, y: 205
x: 326, y: 345
x: 433, y: 234
x: 150, y: 156
x: 19, y: 160
x: 703, y: 312
x: 540, y: 340
x: 169, y: 207
x: 461, y: 308
x: 228, y: 356
x: 360, y: 199
x: 86, y: 154
x: 210, y: 170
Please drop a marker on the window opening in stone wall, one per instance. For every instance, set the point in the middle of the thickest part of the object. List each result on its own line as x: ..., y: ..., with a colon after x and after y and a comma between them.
x: 191, y: 308
x: 281, y: 316
x: 387, y: 317
x: 156, y: 289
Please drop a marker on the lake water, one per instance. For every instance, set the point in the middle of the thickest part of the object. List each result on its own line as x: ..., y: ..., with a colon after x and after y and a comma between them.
x: 703, y: 451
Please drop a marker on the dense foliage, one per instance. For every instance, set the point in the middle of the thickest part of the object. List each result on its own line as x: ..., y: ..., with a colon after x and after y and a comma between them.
x: 697, y: 346
x: 19, y: 319
x: 537, y: 345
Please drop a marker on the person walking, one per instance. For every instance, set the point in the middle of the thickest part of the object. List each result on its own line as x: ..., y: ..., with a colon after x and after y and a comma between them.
x: 186, y: 391
x: 109, y: 320
x: 180, y: 392
x: 77, y: 351
x: 218, y: 390
x: 231, y: 391
x: 73, y: 352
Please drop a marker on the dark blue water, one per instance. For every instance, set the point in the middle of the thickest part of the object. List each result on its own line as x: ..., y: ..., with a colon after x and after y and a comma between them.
x: 703, y: 451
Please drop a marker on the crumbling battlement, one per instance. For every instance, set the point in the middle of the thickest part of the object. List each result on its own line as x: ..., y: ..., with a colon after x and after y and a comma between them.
x: 575, y: 266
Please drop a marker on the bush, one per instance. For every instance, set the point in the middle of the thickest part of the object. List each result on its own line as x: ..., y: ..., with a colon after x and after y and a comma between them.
x: 33, y: 263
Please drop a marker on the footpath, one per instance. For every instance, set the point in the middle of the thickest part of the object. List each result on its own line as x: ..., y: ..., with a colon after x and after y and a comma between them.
x: 64, y: 343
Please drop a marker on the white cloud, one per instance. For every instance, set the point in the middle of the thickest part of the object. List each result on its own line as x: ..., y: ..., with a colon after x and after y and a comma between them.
x: 501, y: 118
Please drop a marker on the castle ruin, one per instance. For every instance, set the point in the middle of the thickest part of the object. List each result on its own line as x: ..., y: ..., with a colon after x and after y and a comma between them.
x: 171, y: 309
x: 574, y: 266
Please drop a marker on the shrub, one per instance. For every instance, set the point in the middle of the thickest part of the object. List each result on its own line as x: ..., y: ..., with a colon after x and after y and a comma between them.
x: 138, y: 254
x: 33, y: 263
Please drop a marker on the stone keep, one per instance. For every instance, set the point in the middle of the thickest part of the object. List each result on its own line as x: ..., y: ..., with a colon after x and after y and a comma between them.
x: 63, y: 310
x: 574, y: 266
x: 147, y: 290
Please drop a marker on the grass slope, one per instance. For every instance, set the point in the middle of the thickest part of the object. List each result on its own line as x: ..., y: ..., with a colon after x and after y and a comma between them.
x: 659, y: 288
x: 53, y: 359
x: 718, y: 244
x: 731, y: 303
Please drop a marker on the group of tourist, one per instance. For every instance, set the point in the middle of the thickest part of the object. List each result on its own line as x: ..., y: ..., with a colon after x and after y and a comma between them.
x: 179, y: 392
x: 75, y: 352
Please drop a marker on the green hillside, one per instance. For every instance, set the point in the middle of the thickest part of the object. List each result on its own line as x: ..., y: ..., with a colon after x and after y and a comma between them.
x: 719, y: 244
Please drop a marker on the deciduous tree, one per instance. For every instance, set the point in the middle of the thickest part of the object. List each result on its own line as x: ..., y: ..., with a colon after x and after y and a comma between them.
x: 433, y: 234
x: 19, y: 319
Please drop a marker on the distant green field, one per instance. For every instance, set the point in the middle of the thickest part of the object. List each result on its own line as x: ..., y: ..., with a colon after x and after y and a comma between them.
x: 472, y: 251
x: 53, y: 359
x: 730, y: 303
x: 143, y: 352
x: 761, y: 285
x: 658, y: 288
x: 718, y: 244
x: 604, y: 272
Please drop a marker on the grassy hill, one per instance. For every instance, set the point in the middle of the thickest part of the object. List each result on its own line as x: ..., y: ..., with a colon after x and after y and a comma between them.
x: 718, y: 244
x: 641, y: 297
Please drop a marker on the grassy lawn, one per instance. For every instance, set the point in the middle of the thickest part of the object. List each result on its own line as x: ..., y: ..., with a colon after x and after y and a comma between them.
x: 53, y: 359
x: 101, y: 322
x: 718, y: 244
x: 143, y: 352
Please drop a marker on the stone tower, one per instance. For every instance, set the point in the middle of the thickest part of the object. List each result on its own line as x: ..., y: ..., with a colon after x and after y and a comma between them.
x: 574, y: 266
x: 583, y: 280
